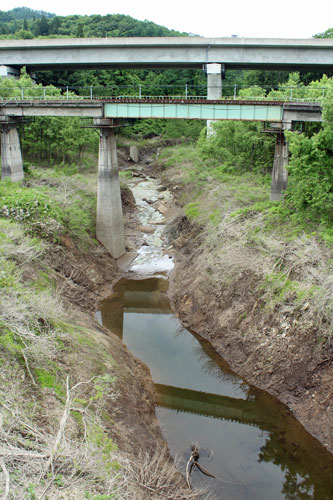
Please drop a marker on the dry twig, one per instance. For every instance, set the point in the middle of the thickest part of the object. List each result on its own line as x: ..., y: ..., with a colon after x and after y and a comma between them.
x: 7, y: 479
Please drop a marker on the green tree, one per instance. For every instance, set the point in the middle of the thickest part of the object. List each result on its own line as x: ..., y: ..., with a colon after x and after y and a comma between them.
x: 238, y: 147
x: 47, y: 138
x: 24, y: 34
x: 44, y: 26
x: 310, y: 187
x: 79, y: 31
x: 55, y: 24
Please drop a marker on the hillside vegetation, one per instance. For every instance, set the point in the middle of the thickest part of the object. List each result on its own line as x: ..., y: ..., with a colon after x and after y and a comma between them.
x: 66, y: 432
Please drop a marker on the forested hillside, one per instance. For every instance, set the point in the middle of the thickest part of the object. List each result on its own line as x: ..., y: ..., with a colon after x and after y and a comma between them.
x: 27, y: 23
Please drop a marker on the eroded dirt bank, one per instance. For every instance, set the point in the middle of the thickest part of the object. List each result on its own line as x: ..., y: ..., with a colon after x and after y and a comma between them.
x: 69, y: 381
x: 84, y: 279
x: 277, y: 350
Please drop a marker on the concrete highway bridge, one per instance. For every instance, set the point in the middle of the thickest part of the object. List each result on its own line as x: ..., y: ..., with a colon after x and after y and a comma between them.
x: 106, y: 115
x: 313, y: 54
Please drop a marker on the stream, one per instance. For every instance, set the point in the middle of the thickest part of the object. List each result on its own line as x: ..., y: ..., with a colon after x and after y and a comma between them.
x: 248, y: 440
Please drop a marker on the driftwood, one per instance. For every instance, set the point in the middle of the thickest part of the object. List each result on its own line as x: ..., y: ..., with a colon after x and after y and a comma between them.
x: 193, y: 462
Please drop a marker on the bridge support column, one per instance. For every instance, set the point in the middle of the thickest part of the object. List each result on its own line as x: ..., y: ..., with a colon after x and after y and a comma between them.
x: 11, y: 157
x: 214, y: 86
x: 109, y: 222
x: 214, y: 81
x: 279, y: 173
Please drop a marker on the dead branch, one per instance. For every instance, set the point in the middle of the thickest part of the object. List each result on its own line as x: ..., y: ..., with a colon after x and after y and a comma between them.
x: 47, y: 486
x: 8, y: 408
x: 61, y: 431
x: 193, y: 462
x: 7, y: 479
x: 63, y: 421
x: 203, y: 470
x: 27, y: 367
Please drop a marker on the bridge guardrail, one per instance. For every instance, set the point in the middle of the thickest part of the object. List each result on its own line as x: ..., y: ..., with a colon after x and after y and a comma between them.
x: 28, y: 98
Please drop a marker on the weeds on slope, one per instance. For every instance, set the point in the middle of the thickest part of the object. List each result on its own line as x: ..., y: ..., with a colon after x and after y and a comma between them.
x: 243, y: 233
x: 58, y: 379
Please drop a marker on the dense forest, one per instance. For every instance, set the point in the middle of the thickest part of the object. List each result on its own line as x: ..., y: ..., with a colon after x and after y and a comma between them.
x: 27, y: 23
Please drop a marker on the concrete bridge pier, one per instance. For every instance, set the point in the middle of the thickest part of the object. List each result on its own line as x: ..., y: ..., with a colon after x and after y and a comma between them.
x: 214, y: 81
x: 11, y: 157
x: 109, y: 221
x: 214, y: 86
x: 279, y: 173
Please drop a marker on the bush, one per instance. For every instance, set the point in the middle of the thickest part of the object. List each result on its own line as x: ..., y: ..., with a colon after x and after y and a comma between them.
x: 238, y: 146
x: 26, y: 204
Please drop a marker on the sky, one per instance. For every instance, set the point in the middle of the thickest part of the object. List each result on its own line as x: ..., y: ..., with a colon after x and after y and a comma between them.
x: 244, y: 18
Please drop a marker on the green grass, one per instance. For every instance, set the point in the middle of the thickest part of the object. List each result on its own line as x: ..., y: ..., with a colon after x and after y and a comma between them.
x: 26, y: 204
x: 249, y: 191
x: 9, y: 274
x: 44, y: 281
x: 192, y: 210
x: 8, y: 340
x: 48, y: 379
x: 177, y: 155
x: 280, y: 284
x: 126, y: 174
x: 54, y: 202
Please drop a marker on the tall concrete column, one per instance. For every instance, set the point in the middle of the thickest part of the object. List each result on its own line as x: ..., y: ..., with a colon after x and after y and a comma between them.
x: 109, y: 222
x: 11, y: 157
x: 279, y: 173
x: 214, y: 81
x: 214, y: 86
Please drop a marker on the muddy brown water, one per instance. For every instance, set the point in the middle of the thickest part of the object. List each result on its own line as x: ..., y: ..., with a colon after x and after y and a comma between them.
x: 247, y: 439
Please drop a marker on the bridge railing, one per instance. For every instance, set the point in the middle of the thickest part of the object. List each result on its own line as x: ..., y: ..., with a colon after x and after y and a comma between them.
x: 146, y: 91
x: 163, y: 98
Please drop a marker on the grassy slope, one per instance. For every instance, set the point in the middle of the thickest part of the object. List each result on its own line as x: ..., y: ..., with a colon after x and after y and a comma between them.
x: 64, y: 398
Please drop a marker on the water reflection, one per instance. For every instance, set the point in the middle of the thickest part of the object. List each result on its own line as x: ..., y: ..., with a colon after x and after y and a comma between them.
x: 260, y: 450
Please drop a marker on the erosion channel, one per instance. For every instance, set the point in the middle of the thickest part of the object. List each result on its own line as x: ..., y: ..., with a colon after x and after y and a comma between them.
x: 248, y: 440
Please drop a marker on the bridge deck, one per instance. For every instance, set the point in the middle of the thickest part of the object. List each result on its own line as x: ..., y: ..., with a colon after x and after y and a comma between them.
x: 195, y: 110
x: 166, y: 107
x: 168, y: 52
